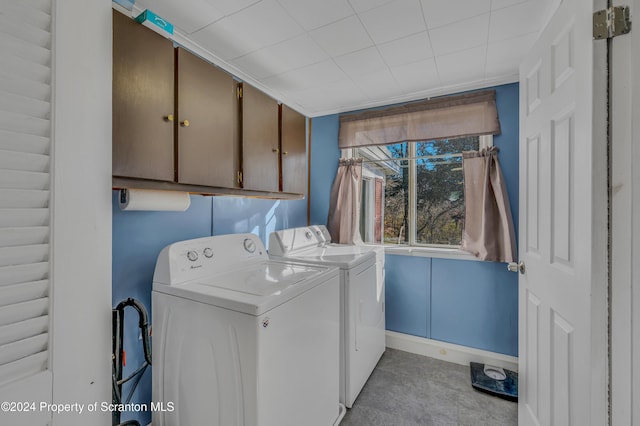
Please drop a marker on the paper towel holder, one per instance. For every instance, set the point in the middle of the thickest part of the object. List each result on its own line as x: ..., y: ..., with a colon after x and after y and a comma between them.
x: 153, y: 200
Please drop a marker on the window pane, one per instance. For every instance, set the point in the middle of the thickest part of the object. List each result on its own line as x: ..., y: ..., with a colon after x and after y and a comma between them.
x: 396, y: 208
x: 439, y: 190
x: 390, y: 171
x: 396, y: 194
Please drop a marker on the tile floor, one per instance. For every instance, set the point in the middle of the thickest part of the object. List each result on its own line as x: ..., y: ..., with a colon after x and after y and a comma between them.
x: 410, y: 390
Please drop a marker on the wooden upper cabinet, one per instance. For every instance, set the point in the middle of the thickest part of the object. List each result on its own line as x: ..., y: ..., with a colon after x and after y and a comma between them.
x: 207, y: 115
x: 260, y: 149
x: 294, y: 151
x: 143, y: 101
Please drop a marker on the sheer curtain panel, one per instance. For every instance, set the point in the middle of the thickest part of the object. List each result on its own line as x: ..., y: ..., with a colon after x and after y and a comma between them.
x: 488, y: 225
x: 344, y: 206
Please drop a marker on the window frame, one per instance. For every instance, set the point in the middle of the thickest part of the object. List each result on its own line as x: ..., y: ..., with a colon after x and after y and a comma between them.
x: 412, y: 247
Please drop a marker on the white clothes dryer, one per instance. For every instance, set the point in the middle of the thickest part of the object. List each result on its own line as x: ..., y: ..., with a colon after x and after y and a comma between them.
x: 324, y: 237
x: 241, y: 339
x: 362, y: 330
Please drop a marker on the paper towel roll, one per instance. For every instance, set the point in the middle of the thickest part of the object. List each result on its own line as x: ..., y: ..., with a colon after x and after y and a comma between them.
x: 151, y: 199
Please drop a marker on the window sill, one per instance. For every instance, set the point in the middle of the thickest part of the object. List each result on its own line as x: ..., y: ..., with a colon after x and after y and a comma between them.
x: 433, y: 252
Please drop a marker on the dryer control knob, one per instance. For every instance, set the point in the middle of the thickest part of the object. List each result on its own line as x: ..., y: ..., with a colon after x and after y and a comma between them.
x: 192, y: 255
x: 208, y: 253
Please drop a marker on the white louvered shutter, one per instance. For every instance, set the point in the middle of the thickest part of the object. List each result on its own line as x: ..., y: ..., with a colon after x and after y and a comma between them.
x: 25, y: 181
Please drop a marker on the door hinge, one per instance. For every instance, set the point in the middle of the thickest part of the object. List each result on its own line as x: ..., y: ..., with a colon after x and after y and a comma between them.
x: 611, y: 22
x: 239, y: 178
x: 239, y: 92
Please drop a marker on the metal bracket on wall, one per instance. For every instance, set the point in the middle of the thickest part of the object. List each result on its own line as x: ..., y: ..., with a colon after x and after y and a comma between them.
x: 611, y: 22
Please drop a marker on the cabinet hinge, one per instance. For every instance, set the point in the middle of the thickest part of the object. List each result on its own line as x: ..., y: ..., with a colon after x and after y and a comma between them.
x: 239, y: 92
x: 611, y: 22
x: 239, y: 178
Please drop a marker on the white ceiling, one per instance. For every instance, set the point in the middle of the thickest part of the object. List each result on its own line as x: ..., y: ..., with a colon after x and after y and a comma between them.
x: 327, y: 56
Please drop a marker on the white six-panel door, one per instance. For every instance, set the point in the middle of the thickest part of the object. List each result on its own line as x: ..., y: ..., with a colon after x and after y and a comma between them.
x: 562, y: 241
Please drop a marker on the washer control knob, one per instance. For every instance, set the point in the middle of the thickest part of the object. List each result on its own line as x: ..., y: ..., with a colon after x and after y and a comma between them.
x: 208, y: 253
x: 308, y: 234
x: 192, y: 255
x: 249, y: 245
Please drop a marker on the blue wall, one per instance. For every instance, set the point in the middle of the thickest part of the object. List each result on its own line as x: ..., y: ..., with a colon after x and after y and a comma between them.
x: 464, y: 302
x: 138, y: 238
x: 324, y: 164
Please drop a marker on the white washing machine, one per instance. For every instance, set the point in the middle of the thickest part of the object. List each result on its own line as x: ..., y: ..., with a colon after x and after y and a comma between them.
x: 362, y: 331
x: 241, y: 339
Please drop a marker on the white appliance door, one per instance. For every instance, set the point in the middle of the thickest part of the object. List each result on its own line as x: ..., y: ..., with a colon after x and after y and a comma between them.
x: 562, y: 241
x: 298, y: 360
x: 218, y: 367
x: 365, y: 338
x: 204, y: 370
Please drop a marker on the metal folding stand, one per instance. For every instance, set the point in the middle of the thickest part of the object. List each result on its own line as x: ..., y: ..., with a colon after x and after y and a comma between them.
x: 118, y: 356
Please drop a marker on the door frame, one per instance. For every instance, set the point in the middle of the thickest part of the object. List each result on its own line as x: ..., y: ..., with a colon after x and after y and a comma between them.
x: 625, y: 226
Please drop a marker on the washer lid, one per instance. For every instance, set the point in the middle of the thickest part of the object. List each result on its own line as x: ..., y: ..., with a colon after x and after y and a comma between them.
x: 253, y: 290
x: 270, y: 279
x: 327, y: 255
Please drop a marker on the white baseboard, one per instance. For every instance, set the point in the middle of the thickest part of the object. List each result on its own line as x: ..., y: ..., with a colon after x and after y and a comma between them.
x: 448, y: 352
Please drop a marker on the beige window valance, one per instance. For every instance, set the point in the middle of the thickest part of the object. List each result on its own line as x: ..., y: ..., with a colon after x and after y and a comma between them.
x: 470, y: 114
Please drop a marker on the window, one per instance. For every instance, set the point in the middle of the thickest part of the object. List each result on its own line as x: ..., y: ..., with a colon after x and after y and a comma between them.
x: 412, y: 192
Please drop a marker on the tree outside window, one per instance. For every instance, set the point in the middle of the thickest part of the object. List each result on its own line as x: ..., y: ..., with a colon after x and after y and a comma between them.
x: 423, y: 190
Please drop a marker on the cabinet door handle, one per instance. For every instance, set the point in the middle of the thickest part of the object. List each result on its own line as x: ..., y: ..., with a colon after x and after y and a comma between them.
x: 285, y: 153
x: 168, y: 117
x: 276, y: 150
x: 184, y: 123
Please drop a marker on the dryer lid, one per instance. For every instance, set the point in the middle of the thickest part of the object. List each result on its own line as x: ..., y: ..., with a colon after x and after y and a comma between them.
x: 327, y: 255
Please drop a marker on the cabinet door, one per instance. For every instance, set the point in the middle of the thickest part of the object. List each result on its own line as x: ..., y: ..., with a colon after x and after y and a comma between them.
x: 260, y: 153
x: 207, y: 117
x: 294, y: 151
x: 143, y: 101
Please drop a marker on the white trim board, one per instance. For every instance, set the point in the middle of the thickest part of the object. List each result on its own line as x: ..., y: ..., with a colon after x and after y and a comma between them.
x: 444, y: 351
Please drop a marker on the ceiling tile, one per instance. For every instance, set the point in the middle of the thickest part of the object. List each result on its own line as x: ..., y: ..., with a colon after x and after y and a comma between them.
x: 504, y: 57
x: 438, y: 13
x: 260, y: 25
x: 310, y: 76
x: 407, y: 19
x: 379, y: 85
x: 500, y: 4
x: 363, y: 5
x: 461, y: 35
x: 229, y: 6
x: 258, y: 64
x: 517, y: 20
x: 409, y: 49
x: 416, y: 76
x: 344, y: 36
x: 362, y: 62
x: 285, y: 56
x: 266, y: 22
x: 188, y: 15
x: 462, y: 67
x: 223, y: 39
x: 311, y: 14
x: 339, y: 94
